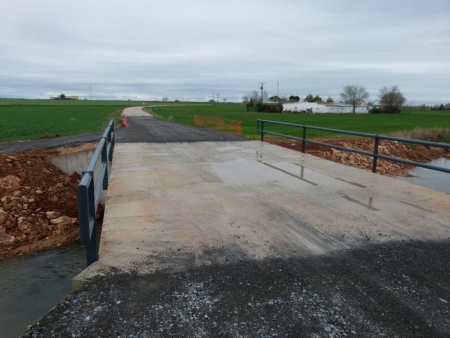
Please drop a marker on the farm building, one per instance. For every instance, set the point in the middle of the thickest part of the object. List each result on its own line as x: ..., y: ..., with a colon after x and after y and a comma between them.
x: 321, y: 108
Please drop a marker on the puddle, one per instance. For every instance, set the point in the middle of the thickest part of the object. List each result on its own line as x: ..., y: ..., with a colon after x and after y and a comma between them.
x: 300, y: 177
x: 368, y: 205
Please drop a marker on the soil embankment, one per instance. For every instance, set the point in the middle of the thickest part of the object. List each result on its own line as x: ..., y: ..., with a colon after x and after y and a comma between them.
x: 417, y: 153
x: 38, y: 202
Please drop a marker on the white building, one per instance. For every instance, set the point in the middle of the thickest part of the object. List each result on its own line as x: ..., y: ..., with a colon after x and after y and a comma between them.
x: 322, y: 108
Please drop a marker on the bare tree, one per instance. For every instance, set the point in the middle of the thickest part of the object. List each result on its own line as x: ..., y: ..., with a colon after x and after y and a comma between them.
x: 253, y: 97
x: 391, y: 99
x: 354, y: 95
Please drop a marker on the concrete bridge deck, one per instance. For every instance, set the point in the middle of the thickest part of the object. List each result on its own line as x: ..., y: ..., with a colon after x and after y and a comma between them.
x: 180, y: 205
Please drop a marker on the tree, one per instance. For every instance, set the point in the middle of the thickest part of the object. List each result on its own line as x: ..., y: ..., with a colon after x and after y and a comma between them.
x: 391, y: 99
x: 330, y: 100
x: 252, y: 98
x: 309, y: 98
x: 354, y: 95
x: 62, y: 97
x: 275, y: 99
x: 294, y: 98
x: 317, y: 98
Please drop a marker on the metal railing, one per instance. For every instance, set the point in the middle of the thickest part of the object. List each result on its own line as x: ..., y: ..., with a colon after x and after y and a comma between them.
x: 89, y: 193
x: 375, y: 155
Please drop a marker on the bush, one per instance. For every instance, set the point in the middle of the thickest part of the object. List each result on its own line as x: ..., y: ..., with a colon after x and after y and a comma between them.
x: 269, y: 107
x: 378, y: 110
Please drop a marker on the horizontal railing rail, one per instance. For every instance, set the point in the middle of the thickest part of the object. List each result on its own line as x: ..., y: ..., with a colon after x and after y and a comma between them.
x: 261, y: 124
x: 89, y: 191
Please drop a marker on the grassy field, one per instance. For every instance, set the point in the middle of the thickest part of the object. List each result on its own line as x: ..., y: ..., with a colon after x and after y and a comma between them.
x: 29, y: 119
x: 367, y: 123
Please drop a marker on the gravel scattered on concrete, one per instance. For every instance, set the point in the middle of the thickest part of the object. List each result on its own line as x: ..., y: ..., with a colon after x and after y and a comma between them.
x: 398, y: 289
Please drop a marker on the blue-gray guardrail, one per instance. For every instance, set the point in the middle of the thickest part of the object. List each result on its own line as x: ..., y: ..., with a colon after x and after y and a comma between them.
x: 375, y: 155
x: 89, y: 190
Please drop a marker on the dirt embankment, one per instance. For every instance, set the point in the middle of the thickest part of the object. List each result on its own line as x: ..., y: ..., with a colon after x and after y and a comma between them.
x: 38, y: 202
x: 417, y: 153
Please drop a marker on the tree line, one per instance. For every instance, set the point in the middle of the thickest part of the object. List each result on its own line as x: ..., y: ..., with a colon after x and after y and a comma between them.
x: 391, y: 100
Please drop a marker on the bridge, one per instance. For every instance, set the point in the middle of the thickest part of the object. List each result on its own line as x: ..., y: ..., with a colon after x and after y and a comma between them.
x: 208, y: 234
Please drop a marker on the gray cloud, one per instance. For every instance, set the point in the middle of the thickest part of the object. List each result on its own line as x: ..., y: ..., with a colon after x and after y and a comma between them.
x: 188, y: 50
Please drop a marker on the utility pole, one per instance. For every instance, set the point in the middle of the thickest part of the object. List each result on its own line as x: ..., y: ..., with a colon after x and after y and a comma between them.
x: 262, y: 91
x: 90, y: 89
x: 278, y: 88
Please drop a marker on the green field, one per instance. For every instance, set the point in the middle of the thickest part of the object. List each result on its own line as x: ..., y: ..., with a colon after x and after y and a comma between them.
x: 367, y: 123
x: 30, y: 119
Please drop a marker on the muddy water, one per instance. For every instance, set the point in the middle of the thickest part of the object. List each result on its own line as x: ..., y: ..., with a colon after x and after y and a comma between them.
x: 31, y: 285
x: 430, y: 178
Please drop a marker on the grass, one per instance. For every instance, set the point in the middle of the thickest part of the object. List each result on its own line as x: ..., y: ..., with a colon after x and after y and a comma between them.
x: 433, y: 134
x: 30, y: 119
x: 366, y: 123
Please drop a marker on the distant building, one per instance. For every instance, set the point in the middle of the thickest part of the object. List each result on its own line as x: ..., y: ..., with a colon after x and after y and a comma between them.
x: 323, y: 108
x: 64, y: 97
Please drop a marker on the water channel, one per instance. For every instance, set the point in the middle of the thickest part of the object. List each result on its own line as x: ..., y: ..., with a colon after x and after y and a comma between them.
x: 31, y: 285
x: 430, y: 178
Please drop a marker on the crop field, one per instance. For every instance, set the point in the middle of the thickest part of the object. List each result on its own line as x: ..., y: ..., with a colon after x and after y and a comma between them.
x: 31, y: 119
x: 409, y: 119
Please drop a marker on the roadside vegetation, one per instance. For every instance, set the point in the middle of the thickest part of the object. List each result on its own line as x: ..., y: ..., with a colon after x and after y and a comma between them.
x: 410, y: 119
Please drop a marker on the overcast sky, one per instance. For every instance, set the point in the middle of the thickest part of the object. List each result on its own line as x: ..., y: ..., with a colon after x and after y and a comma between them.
x: 188, y: 50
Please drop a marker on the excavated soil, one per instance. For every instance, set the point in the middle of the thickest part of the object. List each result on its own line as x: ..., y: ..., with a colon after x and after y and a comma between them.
x: 38, y: 202
x: 417, y: 153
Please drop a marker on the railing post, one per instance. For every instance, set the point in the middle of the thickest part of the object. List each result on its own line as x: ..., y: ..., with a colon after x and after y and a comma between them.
x: 111, y: 141
x: 105, y: 163
x: 83, y: 212
x: 304, y: 139
x: 375, y: 154
x: 92, y: 247
x: 262, y: 130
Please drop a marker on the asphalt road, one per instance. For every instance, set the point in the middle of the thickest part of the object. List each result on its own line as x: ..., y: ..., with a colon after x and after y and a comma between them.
x: 141, y: 129
x: 149, y: 129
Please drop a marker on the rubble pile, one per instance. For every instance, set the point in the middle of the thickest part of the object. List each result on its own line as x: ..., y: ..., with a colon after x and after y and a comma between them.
x: 38, y: 204
x: 417, y: 153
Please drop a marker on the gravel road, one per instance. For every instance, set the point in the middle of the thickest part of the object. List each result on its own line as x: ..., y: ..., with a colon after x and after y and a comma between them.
x: 400, y: 289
